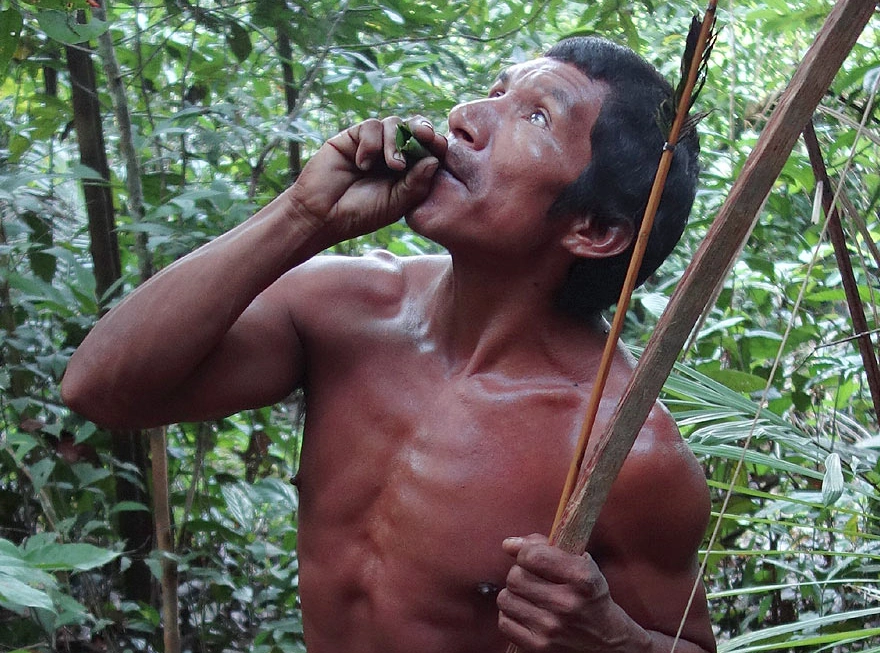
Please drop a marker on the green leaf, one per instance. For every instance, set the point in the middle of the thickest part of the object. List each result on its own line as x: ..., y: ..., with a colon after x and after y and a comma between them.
x: 129, y: 506
x: 654, y: 303
x: 42, y: 264
x: 240, y: 505
x: 10, y: 29
x: 409, y: 146
x: 832, y: 482
x: 16, y: 595
x: 64, y: 5
x: 63, y: 27
x: 68, y: 557
x: 737, y: 380
x: 21, y: 443
x: 88, y: 474
x: 40, y: 472
x: 239, y: 41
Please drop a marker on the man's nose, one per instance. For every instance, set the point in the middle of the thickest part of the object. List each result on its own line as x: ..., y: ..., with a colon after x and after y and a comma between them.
x: 469, y: 122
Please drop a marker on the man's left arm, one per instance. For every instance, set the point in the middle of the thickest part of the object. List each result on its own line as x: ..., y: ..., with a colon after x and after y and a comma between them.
x: 631, y: 594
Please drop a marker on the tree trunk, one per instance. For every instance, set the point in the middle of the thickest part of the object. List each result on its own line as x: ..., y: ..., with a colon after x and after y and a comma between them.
x: 291, y: 97
x: 126, y: 144
x: 104, y: 246
x: 135, y: 527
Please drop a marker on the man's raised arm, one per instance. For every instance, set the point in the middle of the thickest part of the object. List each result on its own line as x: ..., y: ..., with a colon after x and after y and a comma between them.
x: 211, y: 334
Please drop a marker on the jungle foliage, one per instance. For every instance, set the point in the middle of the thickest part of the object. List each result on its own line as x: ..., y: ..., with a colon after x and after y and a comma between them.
x: 213, y: 107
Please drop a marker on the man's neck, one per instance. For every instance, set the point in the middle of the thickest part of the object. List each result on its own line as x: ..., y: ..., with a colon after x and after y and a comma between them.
x: 488, y: 317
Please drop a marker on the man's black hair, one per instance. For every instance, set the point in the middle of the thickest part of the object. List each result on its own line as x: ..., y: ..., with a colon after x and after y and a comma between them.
x: 627, y: 141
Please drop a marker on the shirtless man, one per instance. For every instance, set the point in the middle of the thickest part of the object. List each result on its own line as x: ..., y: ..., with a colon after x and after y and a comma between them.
x: 444, y: 393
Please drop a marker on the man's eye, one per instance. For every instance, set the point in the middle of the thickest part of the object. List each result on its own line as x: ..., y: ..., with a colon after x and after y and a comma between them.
x: 539, y: 118
x: 496, y: 93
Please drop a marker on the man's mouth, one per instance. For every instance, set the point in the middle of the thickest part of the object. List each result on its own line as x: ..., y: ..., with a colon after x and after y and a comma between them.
x: 456, y: 168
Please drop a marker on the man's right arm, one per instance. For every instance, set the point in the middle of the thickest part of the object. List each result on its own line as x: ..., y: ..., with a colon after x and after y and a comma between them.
x: 213, y: 333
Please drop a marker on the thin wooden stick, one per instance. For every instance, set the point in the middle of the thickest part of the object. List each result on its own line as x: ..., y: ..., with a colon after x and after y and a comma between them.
x: 850, y: 286
x: 164, y: 541
x: 635, y: 265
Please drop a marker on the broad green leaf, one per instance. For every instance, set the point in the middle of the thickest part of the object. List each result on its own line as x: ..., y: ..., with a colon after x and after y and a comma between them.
x: 63, y: 27
x: 832, y: 481
x: 655, y: 303
x: 69, y: 611
x: 21, y: 443
x: 239, y: 41
x: 88, y: 474
x: 10, y: 29
x: 75, y: 556
x: 240, y: 505
x: 40, y: 472
x: 129, y: 506
x: 42, y: 264
x: 16, y: 595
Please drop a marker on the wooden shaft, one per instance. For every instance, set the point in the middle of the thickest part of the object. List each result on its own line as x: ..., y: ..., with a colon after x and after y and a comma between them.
x: 850, y: 286
x: 812, y: 78
x: 635, y: 265
x: 164, y: 541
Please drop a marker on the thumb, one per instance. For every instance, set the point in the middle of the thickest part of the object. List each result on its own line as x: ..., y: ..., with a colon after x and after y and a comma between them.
x: 416, y: 185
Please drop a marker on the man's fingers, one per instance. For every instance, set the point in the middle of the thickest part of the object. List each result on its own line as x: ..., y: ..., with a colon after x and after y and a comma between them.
x: 415, y: 186
x: 424, y: 131
x: 513, y: 545
x: 535, y: 554
x: 393, y: 159
x: 370, y: 136
x: 517, y: 620
x: 554, y: 598
x: 372, y: 144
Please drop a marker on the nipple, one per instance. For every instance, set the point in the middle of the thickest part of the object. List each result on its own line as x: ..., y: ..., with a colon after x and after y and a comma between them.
x: 487, y: 588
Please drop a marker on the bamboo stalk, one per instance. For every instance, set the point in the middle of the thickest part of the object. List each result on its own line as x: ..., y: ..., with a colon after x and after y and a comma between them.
x: 850, y: 286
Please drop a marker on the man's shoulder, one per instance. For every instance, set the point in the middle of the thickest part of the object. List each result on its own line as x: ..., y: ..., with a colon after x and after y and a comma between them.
x: 659, y: 503
x: 372, y: 284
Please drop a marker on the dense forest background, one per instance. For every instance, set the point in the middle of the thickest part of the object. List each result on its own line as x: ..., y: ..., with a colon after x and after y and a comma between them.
x: 133, y: 132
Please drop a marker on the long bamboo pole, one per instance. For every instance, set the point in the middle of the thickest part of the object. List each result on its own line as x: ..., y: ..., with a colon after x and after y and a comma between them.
x: 813, y: 77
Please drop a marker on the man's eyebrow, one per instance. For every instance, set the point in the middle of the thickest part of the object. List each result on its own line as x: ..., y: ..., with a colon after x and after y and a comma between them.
x: 563, y: 98
x: 558, y: 94
x: 503, y: 78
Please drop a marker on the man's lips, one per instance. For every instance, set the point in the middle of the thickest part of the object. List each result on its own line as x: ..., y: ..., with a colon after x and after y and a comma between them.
x: 457, y: 167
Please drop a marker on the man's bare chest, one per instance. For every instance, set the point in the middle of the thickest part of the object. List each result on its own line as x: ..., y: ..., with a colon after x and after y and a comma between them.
x: 407, y: 441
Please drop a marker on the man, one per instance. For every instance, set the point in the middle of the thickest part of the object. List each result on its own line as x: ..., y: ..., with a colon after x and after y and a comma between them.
x: 444, y: 393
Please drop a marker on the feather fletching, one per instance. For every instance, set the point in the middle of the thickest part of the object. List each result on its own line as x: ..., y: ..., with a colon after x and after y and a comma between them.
x: 669, y: 107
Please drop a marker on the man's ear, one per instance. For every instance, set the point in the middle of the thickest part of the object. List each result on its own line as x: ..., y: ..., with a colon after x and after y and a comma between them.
x: 588, y: 237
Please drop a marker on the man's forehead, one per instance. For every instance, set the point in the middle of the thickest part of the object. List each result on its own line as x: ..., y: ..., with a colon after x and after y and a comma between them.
x: 533, y: 66
x: 558, y: 78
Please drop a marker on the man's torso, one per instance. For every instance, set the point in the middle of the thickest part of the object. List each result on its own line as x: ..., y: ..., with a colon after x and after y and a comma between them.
x: 413, y: 472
